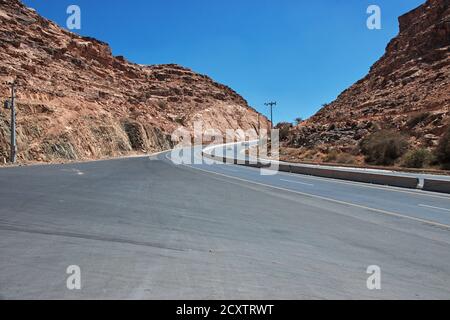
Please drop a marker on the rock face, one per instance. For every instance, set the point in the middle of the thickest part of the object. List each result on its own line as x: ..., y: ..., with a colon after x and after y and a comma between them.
x: 77, y: 101
x: 407, y: 90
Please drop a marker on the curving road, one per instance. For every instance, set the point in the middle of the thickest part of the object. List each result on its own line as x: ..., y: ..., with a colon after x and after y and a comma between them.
x: 144, y: 228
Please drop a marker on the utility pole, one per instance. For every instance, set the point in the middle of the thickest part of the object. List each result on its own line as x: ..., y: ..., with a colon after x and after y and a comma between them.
x: 11, y: 104
x: 259, y: 125
x: 271, y: 105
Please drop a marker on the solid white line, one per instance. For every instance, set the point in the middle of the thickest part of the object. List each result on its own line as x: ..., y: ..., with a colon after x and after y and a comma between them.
x: 393, y: 214
x: 368, y: 185
x: 298, y: 182
x: 360, y: 184
x: 431, y: 207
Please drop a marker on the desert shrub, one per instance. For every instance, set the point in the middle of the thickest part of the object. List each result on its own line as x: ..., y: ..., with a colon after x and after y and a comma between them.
x: 335, y: 156
x: 383, y: 147
x: 284, y: 128
x: 180, y: 120
x: 418, y: 158
x: 162, y: 104
x: 443, y: 150
x: 298, y: 120
x: 310, y: 155
x: 416, y: 119
x: 331, y: 156
x: 345, y: 158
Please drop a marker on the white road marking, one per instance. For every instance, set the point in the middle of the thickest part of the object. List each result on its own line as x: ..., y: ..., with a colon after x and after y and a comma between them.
x: 78, y: 172
x: 431, y: 207
x: 298, y: 182
x: 393, y: 214
x: 360, y: 184
x: 368, y: 185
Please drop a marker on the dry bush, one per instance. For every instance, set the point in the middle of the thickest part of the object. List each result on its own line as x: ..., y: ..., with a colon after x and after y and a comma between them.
x: 443, y: 150
x: 418, y: 158
x: 383, y: 147
x: 416, y: 119
x: 285, y: 128
x: 162, y: 104
x: 345, y: 158
x: 335, y: 156
x: 331, y: 156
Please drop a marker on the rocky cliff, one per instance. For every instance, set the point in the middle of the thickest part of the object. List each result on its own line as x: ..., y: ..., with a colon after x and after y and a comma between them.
x: 77, y: 101
x: 407, y: 90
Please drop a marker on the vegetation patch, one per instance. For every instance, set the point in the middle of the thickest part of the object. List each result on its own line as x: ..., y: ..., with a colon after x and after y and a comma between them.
x: 416, y: 119
x: 418, y: 158
x: 335, y: 156
x: 443, y: 150
x: 284, y: 129
x: 383, y: 147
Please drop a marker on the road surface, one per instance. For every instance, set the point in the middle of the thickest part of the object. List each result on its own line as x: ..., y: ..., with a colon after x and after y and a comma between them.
x: 144, y: 228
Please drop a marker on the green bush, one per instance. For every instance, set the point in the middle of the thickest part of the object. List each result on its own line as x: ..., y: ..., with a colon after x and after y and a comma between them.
x: 418, y: 158
x: 443, y: 150
x: 383, y: 147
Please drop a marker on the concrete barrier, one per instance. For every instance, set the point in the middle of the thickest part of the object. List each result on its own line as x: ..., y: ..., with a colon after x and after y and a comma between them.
x: 240, y: 162
x: 436, y: 186
x: 284, y: 167
x: 246, y: 163
x: 213, y: 157
x: 379, y: 179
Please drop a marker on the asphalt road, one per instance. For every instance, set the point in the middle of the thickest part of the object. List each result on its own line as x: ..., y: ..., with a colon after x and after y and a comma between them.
x: 144, y: 228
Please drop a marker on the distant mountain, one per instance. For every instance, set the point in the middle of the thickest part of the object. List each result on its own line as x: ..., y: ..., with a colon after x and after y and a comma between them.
x: 77, y: 101
x: 407, y: 90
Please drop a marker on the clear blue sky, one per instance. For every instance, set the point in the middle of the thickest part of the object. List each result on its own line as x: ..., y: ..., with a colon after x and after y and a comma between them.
x: 299, y: 53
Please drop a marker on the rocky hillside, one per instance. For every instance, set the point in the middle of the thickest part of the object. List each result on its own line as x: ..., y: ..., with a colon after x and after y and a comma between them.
x: 77, y: 101
x: 406, y: 91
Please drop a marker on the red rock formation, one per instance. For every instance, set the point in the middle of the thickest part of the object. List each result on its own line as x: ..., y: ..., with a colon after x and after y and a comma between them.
x: 77, y: 101
x: 408, y: 89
